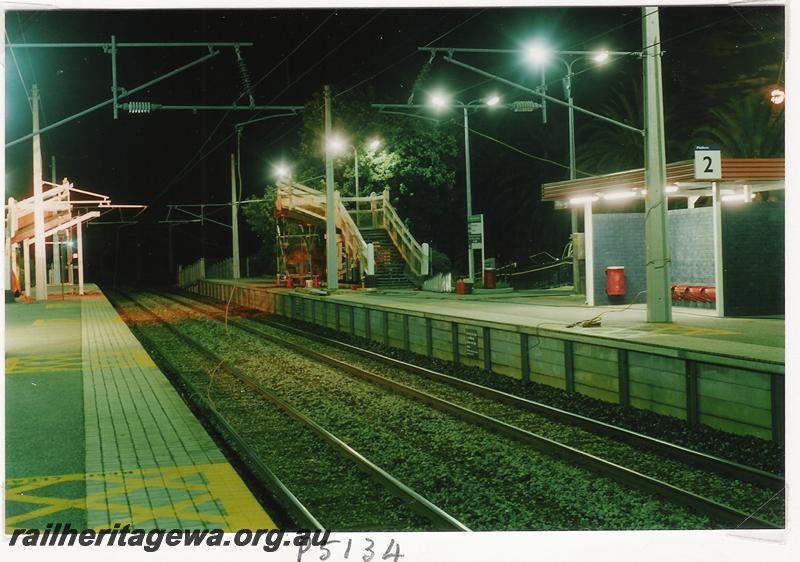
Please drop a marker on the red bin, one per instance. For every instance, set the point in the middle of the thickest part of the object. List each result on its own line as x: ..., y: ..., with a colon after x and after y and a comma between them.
x: 460, y: 287
x: 489, y: 278
x: 615, y: 285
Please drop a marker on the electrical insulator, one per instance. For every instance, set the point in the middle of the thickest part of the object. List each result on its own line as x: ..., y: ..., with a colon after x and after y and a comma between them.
x: 139, y: 107
x: 525, y: 106
x: 244, y: 74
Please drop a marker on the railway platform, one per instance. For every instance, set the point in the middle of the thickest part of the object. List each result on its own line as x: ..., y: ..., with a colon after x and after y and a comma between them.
x: 96, y: 435
x: 727, y: 373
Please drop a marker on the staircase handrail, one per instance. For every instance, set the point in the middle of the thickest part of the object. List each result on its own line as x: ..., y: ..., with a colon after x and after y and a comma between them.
x: 313, y: 202
x: 415, y: 254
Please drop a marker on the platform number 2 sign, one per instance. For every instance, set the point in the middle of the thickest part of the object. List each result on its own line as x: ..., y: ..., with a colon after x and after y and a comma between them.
x: 707, y: 162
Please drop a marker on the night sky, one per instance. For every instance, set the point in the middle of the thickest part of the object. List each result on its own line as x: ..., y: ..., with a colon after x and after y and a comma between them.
x: 711, y: 56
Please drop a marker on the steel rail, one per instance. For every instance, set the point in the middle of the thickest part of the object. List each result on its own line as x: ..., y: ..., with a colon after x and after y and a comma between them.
x: 692, y: 457
x: 695, y: 458
x: 415, y: 501
x: 716, y: 511
x: 248, y: 458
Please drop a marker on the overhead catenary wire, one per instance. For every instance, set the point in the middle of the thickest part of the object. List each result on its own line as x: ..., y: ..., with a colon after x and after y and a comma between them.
x: 194, y: 159
x: 284, y: 90
x: 409, y: 55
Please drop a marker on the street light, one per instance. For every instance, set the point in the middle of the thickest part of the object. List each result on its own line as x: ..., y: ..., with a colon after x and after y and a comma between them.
x: 439, y: 101
x: 539, y: 55
x: 599, y: 58
x: 282, y: 171
x: 337, y: 145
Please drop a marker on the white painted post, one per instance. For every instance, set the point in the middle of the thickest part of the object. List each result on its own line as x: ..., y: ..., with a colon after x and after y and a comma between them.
x: 79, y: 228
x: 38, y: 204
x: 70, y: 260
x: 56, y: 236
x: 718, y: 265
x: 370, y: 259
x: 14, y: 262
x: 9, y: 232
x: 26, y: 265
x: 425, y: 269
x: 588, y: 239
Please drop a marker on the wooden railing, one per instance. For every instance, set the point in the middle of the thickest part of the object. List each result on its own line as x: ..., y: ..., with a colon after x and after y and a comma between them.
x: 417, y: 255
x: 310, y: 202
x: 373, y: 211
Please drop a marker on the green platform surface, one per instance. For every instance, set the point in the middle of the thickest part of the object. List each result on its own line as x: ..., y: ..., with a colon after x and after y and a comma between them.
x: 96, y: 434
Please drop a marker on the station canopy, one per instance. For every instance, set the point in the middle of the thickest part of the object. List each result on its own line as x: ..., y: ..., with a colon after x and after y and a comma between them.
x: 738, y: 175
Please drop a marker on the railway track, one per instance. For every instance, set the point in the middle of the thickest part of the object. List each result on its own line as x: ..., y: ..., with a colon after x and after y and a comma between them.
x: 716, y: 510
x: 423, y: 510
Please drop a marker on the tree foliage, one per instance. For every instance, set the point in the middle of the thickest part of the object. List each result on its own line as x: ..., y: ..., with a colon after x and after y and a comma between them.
x: 749, y: 127
x: 416, y: 163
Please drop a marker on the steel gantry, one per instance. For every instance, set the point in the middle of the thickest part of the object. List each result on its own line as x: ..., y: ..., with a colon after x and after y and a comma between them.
x: 656, y: 240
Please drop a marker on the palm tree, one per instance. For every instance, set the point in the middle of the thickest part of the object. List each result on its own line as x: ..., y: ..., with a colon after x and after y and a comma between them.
x: 603, y: 148
x: 745, y: 128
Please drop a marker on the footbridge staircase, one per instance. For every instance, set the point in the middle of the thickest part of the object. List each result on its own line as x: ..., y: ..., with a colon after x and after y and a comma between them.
x: 371, y: 236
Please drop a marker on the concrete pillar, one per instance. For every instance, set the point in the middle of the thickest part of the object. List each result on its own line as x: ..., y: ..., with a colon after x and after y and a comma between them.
x: 40, y: 250
x: 234, y: 221
x: 79, y: 228
x: 26, y: 266
x: 56, y: 236
x: 330, y: 210
x: 657, y: 256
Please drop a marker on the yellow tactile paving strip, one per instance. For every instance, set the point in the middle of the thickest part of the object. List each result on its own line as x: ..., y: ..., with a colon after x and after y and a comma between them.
x: 159, y: 467
x: 204, y: 486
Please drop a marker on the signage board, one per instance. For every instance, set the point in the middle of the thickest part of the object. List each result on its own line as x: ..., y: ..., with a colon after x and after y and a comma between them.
x: 471, y: 349
x: 707, y: 162
x: 475, y: 232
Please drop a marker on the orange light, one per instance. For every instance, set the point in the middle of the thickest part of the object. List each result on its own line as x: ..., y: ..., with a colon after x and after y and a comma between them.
x: 777, y: 96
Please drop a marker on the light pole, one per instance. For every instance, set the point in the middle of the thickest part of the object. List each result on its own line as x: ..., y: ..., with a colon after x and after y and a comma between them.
x: 338, y: 145
x: 539, y: 55
x: 441, y: 101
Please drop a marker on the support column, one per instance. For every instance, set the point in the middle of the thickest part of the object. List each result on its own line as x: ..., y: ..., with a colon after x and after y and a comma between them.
x: 56, y: 236
x: 70, y: 259
x: 659, y: 301
x: 588, y: 249
x: 14, y: 263
x: 719, y: 267
x: 330, y: 210
x: 576, y: 263
x: 26, y: 266
x: 234, y: 221
x: 79, y: 228
x: 40, y: 250
x: 468, y: 176
x: 9, y: 248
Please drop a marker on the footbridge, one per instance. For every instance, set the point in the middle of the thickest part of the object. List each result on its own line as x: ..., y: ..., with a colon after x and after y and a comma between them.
x: 371, y: 236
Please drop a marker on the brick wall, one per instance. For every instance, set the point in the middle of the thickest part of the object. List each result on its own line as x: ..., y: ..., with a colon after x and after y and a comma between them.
x: 619, y: 240
x: 691, y: 239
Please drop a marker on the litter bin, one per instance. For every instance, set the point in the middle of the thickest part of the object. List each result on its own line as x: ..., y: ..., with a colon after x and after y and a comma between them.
x: 615, y: 285
x: 463, y: 287
x: 489, y: 278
